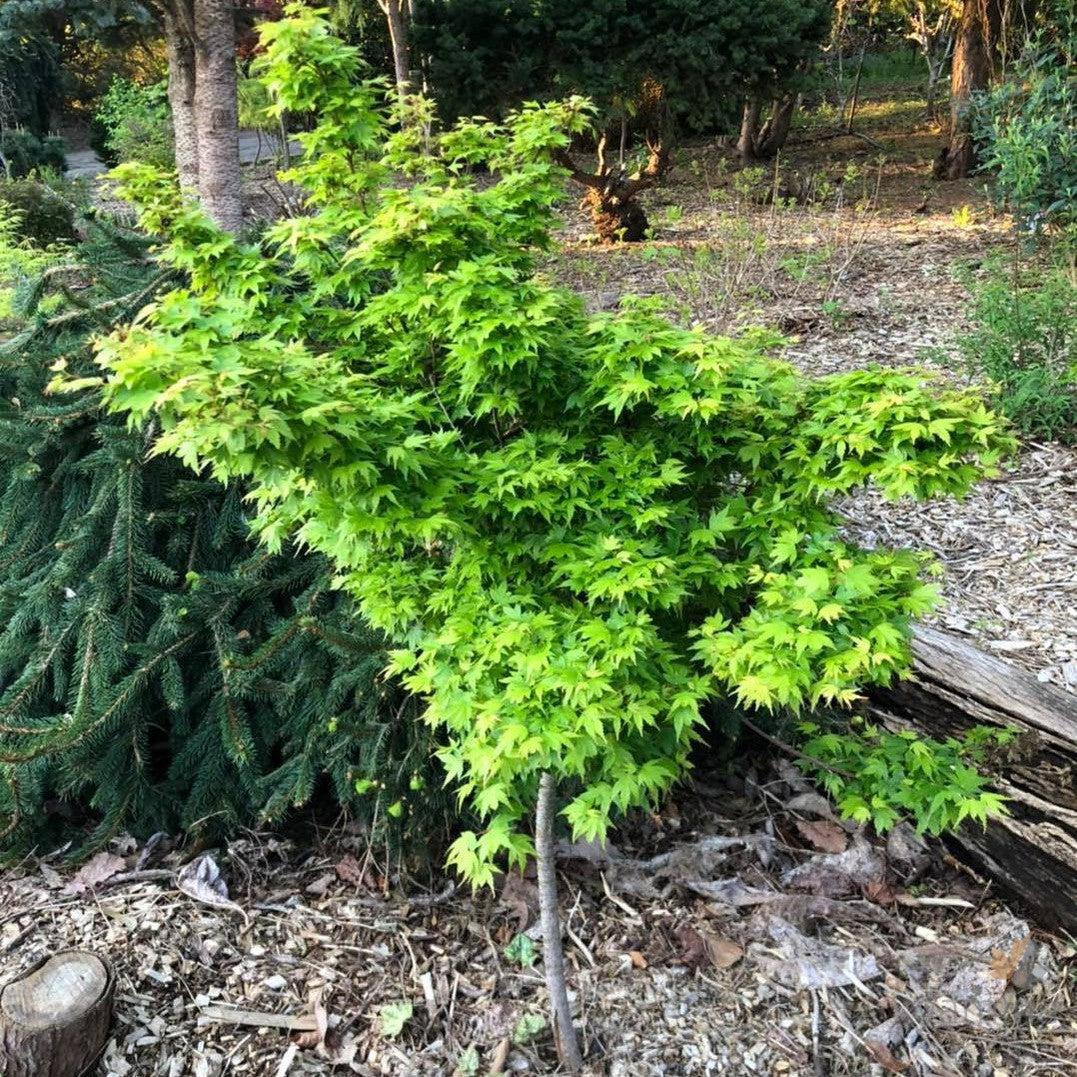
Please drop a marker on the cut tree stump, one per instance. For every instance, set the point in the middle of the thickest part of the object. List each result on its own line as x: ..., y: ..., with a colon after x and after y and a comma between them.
x: 1030, y: 854
x: 54, y: 1020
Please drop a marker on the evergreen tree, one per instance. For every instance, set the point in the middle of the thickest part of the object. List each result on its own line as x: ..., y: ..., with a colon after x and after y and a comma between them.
x: 488, y: 56
x: 157, y: 669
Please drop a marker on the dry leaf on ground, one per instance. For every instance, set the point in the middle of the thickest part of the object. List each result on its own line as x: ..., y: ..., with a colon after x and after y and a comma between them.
x: 701, y: 949
x: 201, y: 879
x: 808, y: 964
x: 521, y: 897
x: 1004, y: 963
x: 823, y: 835
x: 94, y: 872
x: 349, y: 871
x: 315, y: 1038
x: 857, y: 867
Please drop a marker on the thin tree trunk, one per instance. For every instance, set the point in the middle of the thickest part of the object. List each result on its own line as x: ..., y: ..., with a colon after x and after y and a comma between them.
x: 932, y: 84
x: 856, y: 89
x: 396, y: 15
x: 181, y: 84
x: 217, y: 113
x: 553, y: 958
x: 971, y: 68
x: 749, y: 131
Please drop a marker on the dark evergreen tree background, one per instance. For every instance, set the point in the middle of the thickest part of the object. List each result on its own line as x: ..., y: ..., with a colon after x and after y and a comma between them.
x: 157, y: 669
x: 486, y: 56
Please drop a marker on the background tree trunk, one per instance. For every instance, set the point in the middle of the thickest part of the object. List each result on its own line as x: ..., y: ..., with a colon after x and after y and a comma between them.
x: 216, y: 113
x: 54, y: 1020
x: 181, y: 92
x: 775, y: 132
x: 970, y: 72
x: 749, y: 131
x: 397, y: 14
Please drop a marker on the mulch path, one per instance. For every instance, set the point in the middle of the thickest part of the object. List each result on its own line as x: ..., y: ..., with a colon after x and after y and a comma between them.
x: 742, y: 931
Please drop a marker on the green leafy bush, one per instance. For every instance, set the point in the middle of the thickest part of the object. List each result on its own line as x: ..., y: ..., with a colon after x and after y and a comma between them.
x: 875, y: 776
x: 20, y: 262
x: 24, y: 153
x: 1024, y: 341
x: 579, y: 530
x: 1026, y: 133
x: 157, y: 669
x: 133, y: 123
x: 36, y: 212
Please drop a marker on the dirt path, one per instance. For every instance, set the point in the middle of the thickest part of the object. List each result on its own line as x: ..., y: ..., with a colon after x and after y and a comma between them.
x: 254, y: 146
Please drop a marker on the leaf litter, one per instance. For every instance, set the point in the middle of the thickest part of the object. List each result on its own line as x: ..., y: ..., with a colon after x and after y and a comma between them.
x: 756, y: 953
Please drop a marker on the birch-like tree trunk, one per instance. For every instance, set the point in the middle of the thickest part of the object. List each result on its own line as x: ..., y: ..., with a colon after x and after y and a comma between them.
x: 398, y: 16
x: 179, y: 41
x: 216, y: 113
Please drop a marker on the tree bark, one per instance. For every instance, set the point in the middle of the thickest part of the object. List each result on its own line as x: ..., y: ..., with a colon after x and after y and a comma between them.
x: 553, y: 957
x: 775, y: 132
x: 397, y: 15
x: 970, y: 72
x: 216, y: 113
x: 1030, y: 854
x: 749, y: 131
x: 181, y: 94
x: 54, y: 1020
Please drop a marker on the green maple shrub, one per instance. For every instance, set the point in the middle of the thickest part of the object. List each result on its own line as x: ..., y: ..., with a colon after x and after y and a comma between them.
x: 578, y: 529
x: 876, y: 776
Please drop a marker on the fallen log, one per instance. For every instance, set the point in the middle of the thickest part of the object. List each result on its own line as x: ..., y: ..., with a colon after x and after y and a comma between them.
x: 1030, y: 854
x: 54, y: 1020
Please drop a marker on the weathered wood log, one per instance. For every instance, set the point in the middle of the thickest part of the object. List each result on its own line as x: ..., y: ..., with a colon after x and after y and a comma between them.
x: 1031, y: 854
x: 54, y: 1020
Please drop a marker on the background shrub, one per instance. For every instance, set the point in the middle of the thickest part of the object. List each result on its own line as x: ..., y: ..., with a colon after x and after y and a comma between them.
x: 487, y: 56
x: 24, y: 153
x: 1024, y: 329
x: 134, y: 123
x: 1026, y: 133
x: 37, y: 213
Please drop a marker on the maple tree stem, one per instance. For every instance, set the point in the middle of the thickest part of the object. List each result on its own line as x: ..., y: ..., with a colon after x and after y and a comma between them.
x: 553, y: 957
x: 796, y: 753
